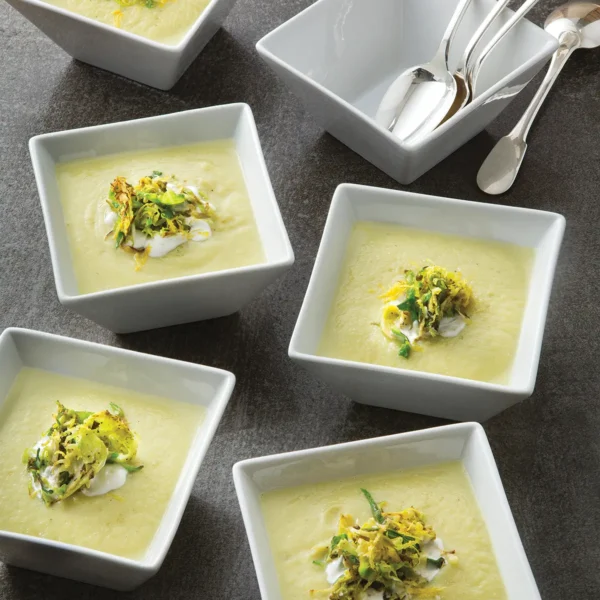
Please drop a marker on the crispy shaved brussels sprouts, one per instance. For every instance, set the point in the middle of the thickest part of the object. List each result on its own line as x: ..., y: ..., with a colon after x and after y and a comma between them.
x: 425, y: 304
x: 388, y: 556
x: 75, y: 449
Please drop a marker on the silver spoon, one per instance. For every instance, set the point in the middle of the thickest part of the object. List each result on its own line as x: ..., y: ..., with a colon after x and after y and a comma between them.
x: 432, y: 81
x: 468, y: 70
x: 576, y: 25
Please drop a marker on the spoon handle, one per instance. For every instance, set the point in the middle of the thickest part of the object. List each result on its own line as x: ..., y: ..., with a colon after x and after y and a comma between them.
x: 569, y: 42
x: 499, y: 170
x: 451, y: 29
x: 467, y: 57
x: 473, y: 71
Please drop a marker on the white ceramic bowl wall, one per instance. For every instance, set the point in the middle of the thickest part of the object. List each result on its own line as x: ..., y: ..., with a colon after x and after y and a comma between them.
x: 142, y: 373
x: 466, y: 442
x: 190, y: 298
x: 339, y: 58
x: 413, y: 391
x: 135, y: 57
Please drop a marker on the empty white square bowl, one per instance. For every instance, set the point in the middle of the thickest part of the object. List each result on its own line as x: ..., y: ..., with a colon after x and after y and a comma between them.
x: 413, y: 391
x: 465, y: 442
x: 180, y: 381
x: 138, y: 58
x: 190, y: 298
x: 356, y: 49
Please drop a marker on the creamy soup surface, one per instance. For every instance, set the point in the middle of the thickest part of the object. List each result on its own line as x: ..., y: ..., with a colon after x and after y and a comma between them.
x: 123, y: 522
x: 378, y: 253
x: 214, y: 167
x: 165, y: 22
x: 300, y: 518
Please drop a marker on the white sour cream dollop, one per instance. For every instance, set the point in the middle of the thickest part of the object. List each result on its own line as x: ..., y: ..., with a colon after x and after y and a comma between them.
x: 448, y: 327
x: 334, y: 570
x: 50, y: 475
x: 432, y: 550
x: 451, y: 326
x: 110, y: 218
x: 46, y: 441
x: 159, y: 245
x: 412, y: 332
x: 109, y: 478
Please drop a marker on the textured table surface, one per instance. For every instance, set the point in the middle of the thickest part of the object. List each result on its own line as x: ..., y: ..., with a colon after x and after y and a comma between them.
x: 547, y: 448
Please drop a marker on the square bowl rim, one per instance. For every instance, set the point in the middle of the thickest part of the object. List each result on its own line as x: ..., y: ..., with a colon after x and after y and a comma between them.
x: 36, y: 144
x: 241, y: 467
x: 469, y: 430
x: 555, y: 220
x: 174, y: 49
x: 421, y: 142
x: 220, y: 404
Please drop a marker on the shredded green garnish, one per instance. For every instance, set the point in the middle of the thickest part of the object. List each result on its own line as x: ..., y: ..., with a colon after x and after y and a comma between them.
x: 388, y: 554
x: 437, y: 563
x: 155, y: 208
x: 76, y: 448
x: 377, y: 514
x: 421, y: 303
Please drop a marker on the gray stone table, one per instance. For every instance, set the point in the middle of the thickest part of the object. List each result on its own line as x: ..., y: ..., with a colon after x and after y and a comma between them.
x: 547, y: 448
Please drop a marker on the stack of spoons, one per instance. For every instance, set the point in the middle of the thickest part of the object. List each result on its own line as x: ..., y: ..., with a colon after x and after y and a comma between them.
x: 424, y: 96
x: 575, y: 25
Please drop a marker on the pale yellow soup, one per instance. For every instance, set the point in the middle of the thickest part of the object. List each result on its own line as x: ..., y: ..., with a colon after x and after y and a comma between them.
x: 167, y: 22
x: 301, y: 518
x: 213, y: 167
x: 378, y: 254
x: 123, y: 522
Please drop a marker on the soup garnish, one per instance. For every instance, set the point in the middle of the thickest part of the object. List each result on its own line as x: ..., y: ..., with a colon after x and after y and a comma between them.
x: 425, y: 304
x: 157, y: 215
x: 82, y: 451
x: 393, y: 555
x: 118, y: 14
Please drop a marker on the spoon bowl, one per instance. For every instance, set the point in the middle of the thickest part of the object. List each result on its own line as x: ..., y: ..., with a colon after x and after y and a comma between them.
x: 582, y: 18
x: 422, y: 94
x: 417, y: 96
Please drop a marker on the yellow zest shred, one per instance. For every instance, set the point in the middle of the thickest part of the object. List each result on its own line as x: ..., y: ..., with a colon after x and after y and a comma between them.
x: 117, y: 16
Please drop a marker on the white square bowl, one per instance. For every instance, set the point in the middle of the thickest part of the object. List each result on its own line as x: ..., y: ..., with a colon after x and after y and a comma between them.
x: 191, y: 298
x: 413, y: 391
x: 180, y: 381
x: 465, y: 442
x: 356, y: 49
x: 138, y: 58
